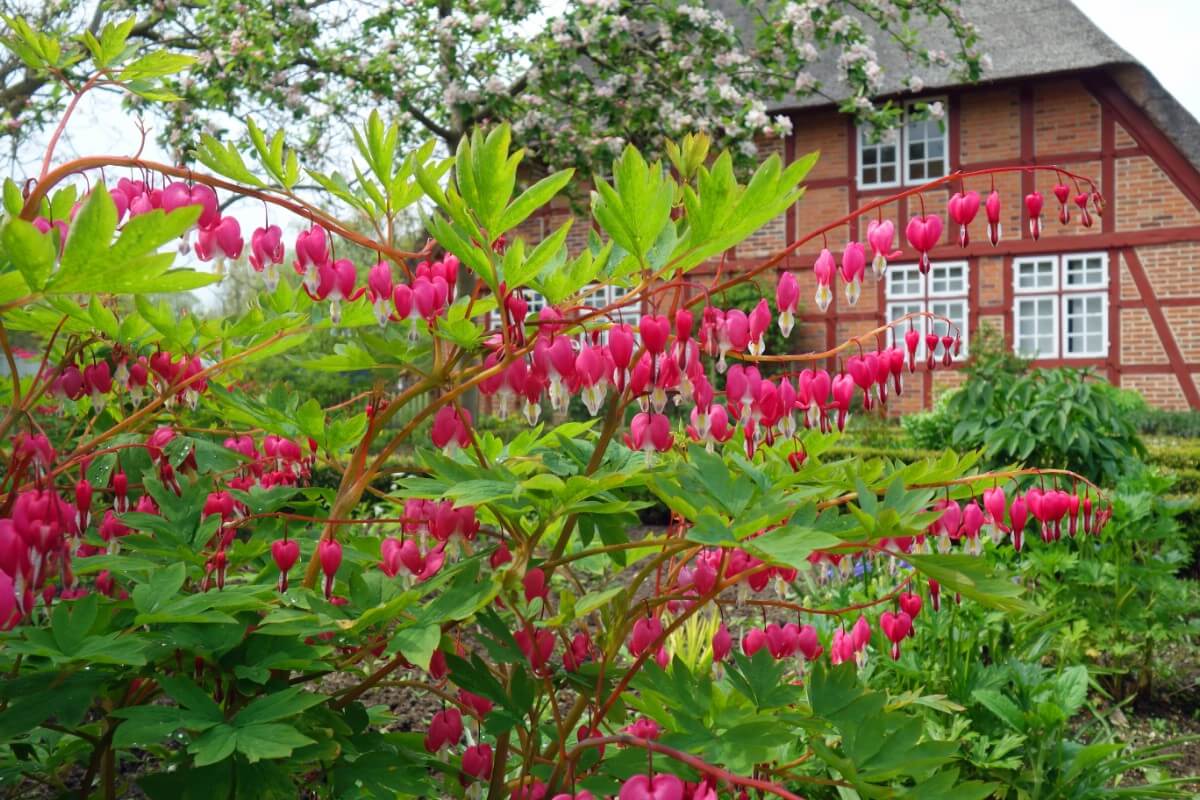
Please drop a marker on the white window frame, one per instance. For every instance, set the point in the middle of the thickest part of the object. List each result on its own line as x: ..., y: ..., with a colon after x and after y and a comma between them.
x: 1066, y: 298
x: 1056, y: 271
x: 924, y: 299
x: 1061, y: 292
x: 860, y: 132
x: 1087, y: 287
x: 1056, y: 325
x: 901, y: 144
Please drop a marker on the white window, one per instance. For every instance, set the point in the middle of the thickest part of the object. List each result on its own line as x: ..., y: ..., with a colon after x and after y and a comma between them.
x: 878, y: 158
x: 942, y: 292
x: 1085, y: 271
x: 1036, y: 274
x: 1036, y: 327
x: 1085, y: 325
x: 1058, y: 311
x: 905, y: 281
x: 915, y: 152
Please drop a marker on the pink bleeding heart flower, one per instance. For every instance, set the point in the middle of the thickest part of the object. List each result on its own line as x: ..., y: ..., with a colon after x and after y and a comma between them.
x: 379, y: 290
x: 534, y: 583
x: 787, y: 296
x: 477, y: 762
x: 266, y: 252
x: 880, y: 235
x: 655, y: 331
x: 895, y: 627
x: 843, y: 394
x: 854, y: 266
x: 1085, y: 217
x: 1033, y: 205
x: 660, y: 787
x: 1018, y: 513
x: 823, y: 269
x: 650, y: 433
x: 312, y: 250
x: 992, y: 207
x: 923, y: 234
x: 962, y: 210
x: 445, y: 729
x: 451, y: 428
x: 646, y: 631
x: 722, y: 644
x: 329, y: 552
x: 1063, y: 193
x: 807, y: 643
x: 995, y: 503
x: 285, y: 552
x: 910, y: 603
x: 223, y: 240
x: 760, y: 320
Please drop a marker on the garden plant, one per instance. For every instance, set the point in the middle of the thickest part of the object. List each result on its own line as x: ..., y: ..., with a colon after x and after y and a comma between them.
x: 186, y: 613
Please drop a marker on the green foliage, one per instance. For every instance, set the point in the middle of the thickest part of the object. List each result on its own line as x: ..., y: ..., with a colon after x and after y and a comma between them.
x: 1157, y: 422
x: 1062, y: 418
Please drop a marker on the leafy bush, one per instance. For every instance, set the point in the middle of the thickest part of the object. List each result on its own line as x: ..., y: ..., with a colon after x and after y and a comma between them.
x: 1063, y: 418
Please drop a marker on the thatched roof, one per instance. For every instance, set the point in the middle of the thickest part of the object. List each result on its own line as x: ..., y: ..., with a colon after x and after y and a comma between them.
x: 1024, y: 38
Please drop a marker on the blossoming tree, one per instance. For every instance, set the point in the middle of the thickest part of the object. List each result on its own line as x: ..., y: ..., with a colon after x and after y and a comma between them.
x: 578, y: 80
x: 182, y: 608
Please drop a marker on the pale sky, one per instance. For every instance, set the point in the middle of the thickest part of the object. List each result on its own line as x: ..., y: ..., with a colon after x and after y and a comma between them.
x: 1162, y: 34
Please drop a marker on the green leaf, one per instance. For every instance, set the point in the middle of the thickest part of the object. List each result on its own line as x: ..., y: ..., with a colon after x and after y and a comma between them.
x: 279, y: 705
x: 163, y: 586
x: 72, y: 621
x: 534, y: 198
x: 30, y: 251
x: 157, y: 64
x: 1002, y: 707
x: 214, y: 745
x: 790, y: 545
x: 225, y: 159
x: 269, y: 740
x: 192, y: 697
x: 417, y: 643
x: 88, y: 242
x: 149, y: 725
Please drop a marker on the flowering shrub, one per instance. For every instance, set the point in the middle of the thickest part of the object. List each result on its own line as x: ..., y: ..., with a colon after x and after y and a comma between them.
x: 175, y: 593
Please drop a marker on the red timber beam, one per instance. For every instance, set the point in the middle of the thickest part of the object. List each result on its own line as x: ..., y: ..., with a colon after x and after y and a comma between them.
x: 1170, y: 346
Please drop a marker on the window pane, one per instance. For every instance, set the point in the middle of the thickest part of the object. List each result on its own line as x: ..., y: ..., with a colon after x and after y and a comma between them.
x: 1084, y: 325
x: 1035, y: 325
x: 878, y: 159
x: 904, y: 281
x: 948, y: 279
x: 1036, y: 273
x: 1085, y: 270
x: 925, y: 146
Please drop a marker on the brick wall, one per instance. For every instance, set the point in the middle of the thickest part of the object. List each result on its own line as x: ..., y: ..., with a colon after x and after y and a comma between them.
x: 1066, y: 119
x: 1185, y: 326
x: 1159, y: 390
x: 1174, y: 270
x: 824, y: 131
x: 1139, y: 341
x: 1148, y: 199
x: 990, y: 125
